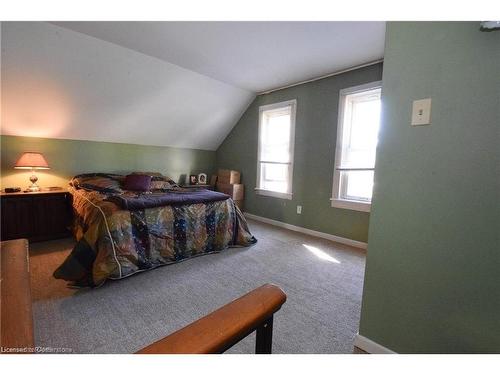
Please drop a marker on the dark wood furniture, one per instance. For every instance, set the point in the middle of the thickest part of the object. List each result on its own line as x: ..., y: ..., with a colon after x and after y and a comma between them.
x: 17, y: 318
x: 198, y: 186
x: 37, y: 216
x: 220, y: 330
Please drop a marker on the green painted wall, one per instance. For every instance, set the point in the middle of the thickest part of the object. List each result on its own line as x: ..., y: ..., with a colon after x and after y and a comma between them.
x: 70, y: 157
x: 433, y: 266
x: 314, y: 154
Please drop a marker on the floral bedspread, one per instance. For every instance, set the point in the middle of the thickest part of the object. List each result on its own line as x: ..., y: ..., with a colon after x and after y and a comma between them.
x: 114, y: 243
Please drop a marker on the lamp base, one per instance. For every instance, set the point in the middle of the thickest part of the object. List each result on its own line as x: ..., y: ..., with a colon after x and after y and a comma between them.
x: 33, y: 188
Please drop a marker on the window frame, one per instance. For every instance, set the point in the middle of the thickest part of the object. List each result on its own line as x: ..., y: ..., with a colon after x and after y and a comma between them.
x: 274, y: 106
x: 336, y: 200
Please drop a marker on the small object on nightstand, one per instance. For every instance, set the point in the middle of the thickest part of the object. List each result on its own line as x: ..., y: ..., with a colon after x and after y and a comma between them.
x: 202, y: 179
x: 12, y: 190
x: 193, y: 179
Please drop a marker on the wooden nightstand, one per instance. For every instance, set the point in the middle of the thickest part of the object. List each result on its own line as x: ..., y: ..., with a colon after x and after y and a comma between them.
x: 40, y: 216
x: 198, y: 186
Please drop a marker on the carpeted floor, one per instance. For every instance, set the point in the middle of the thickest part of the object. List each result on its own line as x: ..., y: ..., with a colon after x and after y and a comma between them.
x: 323, y: 281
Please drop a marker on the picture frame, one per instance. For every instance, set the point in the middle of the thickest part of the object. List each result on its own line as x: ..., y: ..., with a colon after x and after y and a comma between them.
x: 202, y: 179
x: 193, y: 179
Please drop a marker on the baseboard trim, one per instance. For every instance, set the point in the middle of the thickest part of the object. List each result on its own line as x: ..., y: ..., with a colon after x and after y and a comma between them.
x: 370, y: 346
x: 331, y: 237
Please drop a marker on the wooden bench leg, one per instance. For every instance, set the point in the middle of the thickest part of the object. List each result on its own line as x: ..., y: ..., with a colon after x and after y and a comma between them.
x: 264, y: 341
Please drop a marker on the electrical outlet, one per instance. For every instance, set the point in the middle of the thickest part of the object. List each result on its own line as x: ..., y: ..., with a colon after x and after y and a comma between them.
x: 299, y: 209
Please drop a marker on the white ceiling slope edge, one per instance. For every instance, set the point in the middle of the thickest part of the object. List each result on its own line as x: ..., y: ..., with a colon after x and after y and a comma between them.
x: 58, y: 83
x: 179, y: 84
x: 256, y: 56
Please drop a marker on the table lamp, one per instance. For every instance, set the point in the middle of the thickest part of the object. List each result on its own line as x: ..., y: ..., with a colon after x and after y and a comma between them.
x: 32, y: 160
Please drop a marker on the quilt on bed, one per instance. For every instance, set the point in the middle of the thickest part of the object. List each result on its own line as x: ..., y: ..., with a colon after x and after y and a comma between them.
x: 114, y: 243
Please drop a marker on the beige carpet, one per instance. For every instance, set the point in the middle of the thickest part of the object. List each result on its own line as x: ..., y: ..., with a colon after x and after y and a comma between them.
x: 323, y: 281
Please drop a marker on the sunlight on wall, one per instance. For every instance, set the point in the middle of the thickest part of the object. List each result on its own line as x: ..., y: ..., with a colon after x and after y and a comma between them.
x: 33, y: 107
x: 321, y: 254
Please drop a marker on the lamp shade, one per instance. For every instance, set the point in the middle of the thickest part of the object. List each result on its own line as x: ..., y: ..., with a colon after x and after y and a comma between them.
x: 32, y: 160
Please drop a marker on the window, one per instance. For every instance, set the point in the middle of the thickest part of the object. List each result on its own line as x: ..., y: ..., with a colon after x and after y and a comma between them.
x: 275, y: 151
x: 357, y: 131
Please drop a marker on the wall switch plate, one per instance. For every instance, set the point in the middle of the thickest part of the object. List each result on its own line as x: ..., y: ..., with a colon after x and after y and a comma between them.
x: 299, y: 209
x: 421, y: 112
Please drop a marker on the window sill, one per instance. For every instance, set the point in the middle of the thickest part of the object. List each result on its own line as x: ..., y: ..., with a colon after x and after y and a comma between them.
x: 351, y: 205
x: 275, y: 194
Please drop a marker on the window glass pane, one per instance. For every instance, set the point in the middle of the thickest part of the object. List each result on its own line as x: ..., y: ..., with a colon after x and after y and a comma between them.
x: 356, y: 185
x: 364, y: 124
x: 274, y: 177
x: 275, y: 147
x: 275, y: 135
x: 360, y: 129
x: 359, y: 136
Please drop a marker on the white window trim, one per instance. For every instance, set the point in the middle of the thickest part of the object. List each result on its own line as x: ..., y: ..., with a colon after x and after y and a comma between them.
x: 336, y: 201
x: 270, y: 193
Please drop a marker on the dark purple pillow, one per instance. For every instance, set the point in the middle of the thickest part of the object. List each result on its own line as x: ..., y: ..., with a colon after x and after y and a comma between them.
x: 137, y: 182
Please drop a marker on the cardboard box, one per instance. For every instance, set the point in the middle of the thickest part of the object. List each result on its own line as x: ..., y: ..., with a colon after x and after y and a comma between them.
x: 235, y: 191
x: 213, y: 180
x: 226, y: 176
x: 239, y: 204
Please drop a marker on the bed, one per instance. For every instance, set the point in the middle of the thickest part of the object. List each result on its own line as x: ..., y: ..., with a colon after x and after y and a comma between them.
x: 121, y: 232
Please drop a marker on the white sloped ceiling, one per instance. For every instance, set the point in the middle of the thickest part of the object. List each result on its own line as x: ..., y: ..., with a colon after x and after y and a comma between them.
x: 255, y: 56
x: 180, y: 84
x: 58, y: 83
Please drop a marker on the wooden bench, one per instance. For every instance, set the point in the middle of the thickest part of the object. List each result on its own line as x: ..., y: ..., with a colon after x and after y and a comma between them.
x: 220, y: 330
x: 16, y: 322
